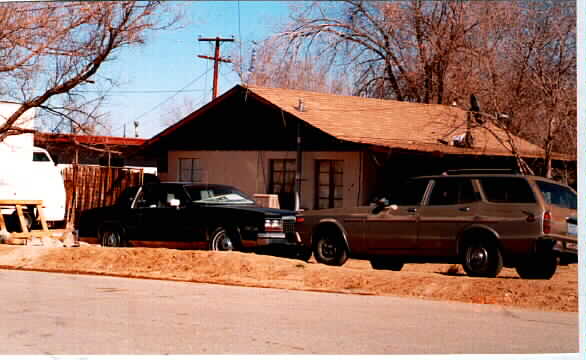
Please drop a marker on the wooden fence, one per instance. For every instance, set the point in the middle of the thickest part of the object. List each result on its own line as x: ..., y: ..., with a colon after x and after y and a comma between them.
x: 89, y: 187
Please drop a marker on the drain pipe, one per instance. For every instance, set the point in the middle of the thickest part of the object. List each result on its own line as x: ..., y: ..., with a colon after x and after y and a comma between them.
x: 298, y: 162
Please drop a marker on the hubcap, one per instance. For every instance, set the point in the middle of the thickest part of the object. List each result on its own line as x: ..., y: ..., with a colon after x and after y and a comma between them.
x: 477, y: 258
x: 223, y: 242
x: 110, y: 239
x: 328, y: 249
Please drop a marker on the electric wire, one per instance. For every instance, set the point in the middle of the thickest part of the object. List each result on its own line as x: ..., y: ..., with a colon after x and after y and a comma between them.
x: 167, y: 99
x: 170, y: 97
x: 240, y: 40
x: 125, y: 92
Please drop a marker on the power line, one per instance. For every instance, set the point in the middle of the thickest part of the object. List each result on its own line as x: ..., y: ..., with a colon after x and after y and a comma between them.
x: 167, y: 99
x: 225, y: 77
x: 142, y: 91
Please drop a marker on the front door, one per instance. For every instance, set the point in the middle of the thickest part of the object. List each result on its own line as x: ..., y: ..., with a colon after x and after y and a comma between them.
x: 393, y: 231
x: 449, y: 209
x: 163, y: 225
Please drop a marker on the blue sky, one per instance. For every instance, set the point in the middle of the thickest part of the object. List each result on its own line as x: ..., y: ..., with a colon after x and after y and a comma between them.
x: 169, y: 62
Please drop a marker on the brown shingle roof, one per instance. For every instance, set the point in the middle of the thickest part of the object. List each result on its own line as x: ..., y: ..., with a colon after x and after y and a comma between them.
x: 387, y: 123
x: 394, y: 124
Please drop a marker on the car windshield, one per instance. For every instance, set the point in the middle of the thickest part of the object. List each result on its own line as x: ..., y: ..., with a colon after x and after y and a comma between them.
x: 220, y: 195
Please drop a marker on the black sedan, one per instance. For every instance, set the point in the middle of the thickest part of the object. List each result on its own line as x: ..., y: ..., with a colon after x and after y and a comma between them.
x: 191, y: 216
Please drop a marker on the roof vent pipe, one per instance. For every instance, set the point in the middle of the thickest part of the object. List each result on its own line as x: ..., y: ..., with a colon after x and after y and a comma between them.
x: 301, y: 105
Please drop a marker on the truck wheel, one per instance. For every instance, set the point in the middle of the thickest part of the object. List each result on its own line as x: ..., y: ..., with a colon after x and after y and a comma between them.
x: 386, y: 264
x: 30, y: 218
x: 330, y: 249
x: 538, y: 266
x: 110, y: 238
x: 13, y: 223
x: 224, y: 240
x: 482, y: 258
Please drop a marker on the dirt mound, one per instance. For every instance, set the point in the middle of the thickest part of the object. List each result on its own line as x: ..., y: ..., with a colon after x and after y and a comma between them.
x: 428, y: 281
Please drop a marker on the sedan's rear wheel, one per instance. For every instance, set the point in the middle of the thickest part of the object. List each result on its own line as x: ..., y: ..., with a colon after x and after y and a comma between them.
x: 110, y: 238
x: 330, y: 249
x: 224, y: 240
x: 482, y: 258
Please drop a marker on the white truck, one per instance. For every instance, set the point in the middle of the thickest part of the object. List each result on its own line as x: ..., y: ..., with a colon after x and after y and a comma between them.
x: 28, y: 172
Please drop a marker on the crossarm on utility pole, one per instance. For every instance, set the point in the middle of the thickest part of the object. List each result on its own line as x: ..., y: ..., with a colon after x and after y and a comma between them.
x: 217, y: 59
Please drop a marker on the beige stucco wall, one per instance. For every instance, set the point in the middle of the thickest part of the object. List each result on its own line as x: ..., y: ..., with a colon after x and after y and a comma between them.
x: 249, y: 171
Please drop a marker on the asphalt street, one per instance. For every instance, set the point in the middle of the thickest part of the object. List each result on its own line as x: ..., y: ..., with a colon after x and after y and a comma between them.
x: 58, y: 314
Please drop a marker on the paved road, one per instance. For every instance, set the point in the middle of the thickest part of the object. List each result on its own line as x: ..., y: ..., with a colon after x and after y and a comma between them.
x: 45, y: 313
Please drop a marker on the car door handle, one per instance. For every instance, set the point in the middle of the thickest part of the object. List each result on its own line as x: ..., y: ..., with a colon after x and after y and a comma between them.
x: 464, y: 209
x: 412, y: 210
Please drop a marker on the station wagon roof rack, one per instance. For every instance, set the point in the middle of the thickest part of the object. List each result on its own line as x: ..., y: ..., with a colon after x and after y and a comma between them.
x: 480, y: 171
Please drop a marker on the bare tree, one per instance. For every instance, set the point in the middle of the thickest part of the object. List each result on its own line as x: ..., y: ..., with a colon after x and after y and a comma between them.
x: 50, y: 50
x: 175, y: 111
x: 526, y: 69
x: 271, y: 64
x: 551, y: 116
x: 518, y: 58
x: 401, y: 50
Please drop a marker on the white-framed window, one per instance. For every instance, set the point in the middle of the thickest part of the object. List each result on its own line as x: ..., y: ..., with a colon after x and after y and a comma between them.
x: 190, y: 170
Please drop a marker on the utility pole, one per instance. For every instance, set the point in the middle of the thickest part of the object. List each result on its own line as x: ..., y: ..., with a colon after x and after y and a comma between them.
x: 217, y: 59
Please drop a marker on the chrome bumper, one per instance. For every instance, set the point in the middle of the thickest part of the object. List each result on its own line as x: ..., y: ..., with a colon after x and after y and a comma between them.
x: 569, y: 246
x: 264, y: 239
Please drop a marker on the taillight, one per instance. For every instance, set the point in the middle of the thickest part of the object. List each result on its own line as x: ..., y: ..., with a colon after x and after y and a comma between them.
x: 273, y: 225
x: 299, y: 219
x: 546, y: 222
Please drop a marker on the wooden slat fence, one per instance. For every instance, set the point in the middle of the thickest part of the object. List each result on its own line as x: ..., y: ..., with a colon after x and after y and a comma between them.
x: 89, y: 186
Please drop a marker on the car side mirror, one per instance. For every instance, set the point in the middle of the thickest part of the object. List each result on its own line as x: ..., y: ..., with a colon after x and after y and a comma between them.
x: 380, y: 204
x: 174, y: 202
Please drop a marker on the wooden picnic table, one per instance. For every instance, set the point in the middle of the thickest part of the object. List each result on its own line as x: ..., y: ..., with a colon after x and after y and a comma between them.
x: 25, y: 233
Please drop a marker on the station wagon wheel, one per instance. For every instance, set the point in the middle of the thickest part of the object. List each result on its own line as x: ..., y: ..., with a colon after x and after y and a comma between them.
x: 538, y: 266
x: 223, y: 240
x: 482, y: 258
x: 330, y: 249
x: 110, y: 238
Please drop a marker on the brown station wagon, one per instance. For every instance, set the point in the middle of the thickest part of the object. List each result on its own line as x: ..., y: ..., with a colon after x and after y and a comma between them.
x: 481, y: 219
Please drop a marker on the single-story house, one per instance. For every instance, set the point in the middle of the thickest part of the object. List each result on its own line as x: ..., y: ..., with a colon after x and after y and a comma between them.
x: 352, y: 148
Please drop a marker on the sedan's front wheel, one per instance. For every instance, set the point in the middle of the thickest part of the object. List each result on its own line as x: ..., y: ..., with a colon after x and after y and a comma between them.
x: 223, y: 240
